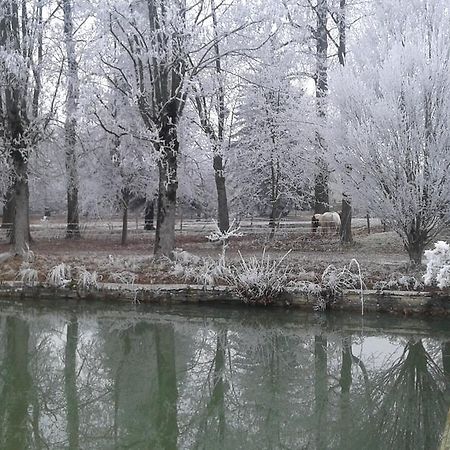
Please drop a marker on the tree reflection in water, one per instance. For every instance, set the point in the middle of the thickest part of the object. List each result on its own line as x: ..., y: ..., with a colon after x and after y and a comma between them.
x: 15, y: 385
x: 70, y: 384
x: 160, y: 381
x: 410, y: 403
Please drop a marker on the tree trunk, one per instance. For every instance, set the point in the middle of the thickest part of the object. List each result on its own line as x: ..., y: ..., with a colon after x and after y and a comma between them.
x: 125, y: 203
x: 218, y: 395
x: 272, y: 222
x: 275, y: 215
x: 149, y: 213
x: 321, y: 197
x: 8, y: 209
x: 167, y: 195
x: 73, y: 228
x: 416, y: 240
x: 445, y: 348
x: 345, y: 383
x: 346, y: 220
x: 274, y: 193
x: 415, y: 251
x: 21, y: 227
x: 222, y: 201
x: 346, y: 217
x: 16, y: 125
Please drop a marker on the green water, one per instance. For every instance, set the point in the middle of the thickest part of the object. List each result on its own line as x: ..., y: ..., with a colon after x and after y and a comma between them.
x: 95, y: 377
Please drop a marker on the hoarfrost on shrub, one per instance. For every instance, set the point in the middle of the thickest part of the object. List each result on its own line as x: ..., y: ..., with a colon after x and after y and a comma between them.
x: 438, y: 265
x: 124, y: 277
x: 59, y: 276
x: 260, y: 281
x: 397, y: 281
x: 204, y: 271
x: 86, y: 279
x: 28, y: 275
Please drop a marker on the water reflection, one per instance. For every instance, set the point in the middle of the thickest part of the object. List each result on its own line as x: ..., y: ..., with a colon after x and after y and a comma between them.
x: 153, y: 380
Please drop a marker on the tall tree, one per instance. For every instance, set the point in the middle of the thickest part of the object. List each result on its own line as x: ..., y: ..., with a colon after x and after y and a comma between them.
x: 216, y: 133
x: 269, y: 167
x: 23, y: 122
x: 321, y: 194
x: 394, y: 107
x: 346, y: 216
x: 73, y: 229
x: 152, y: 36
x: 14, y: 43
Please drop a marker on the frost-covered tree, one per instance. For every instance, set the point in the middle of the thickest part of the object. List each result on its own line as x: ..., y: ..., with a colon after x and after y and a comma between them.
x: 163, y: 48
x: 212, y: 117
x: 271, y: 169
x: 394, y: 106
x: 125, y: 170
x: 22, y: 120
x: 4, y: 177
x: 215, y: 88
x: 73, y: 229
x: 152, y: 37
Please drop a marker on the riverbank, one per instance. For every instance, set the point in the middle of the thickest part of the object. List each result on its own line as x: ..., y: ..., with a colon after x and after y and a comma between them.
x: 393, y: 302
x: 317, y: 273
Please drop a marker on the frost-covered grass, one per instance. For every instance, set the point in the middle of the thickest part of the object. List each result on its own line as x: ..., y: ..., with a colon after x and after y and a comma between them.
x: 399, y: 282
x: 204, y: 271
x: 124, y: 277
x: 260, y: 281
x: 86, y: 279
x: 331, y: 285
x: 28, y: 276
x: 381, y: 254
x: 60, y: 275
x: 335, y: 280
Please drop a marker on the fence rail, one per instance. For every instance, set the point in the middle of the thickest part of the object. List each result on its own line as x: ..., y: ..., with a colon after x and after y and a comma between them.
x: 105, y: 229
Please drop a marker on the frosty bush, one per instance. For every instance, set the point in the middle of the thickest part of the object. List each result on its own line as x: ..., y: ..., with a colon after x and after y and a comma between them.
x: 124, y: 277
x: 86, y: 279
x: 336, y: 280
x: 260, y: 281
x: 28, y: 276
x: 59, y: 276
x: 438, y: 265
x: 397, y: 281
x: 185, y: 258
x: 331, y: 285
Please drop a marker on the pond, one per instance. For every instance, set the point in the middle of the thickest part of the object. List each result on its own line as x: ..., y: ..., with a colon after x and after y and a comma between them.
x: 96, y: 376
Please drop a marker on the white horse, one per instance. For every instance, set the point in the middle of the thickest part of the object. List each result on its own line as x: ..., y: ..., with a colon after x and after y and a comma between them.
x: 328, y: 222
